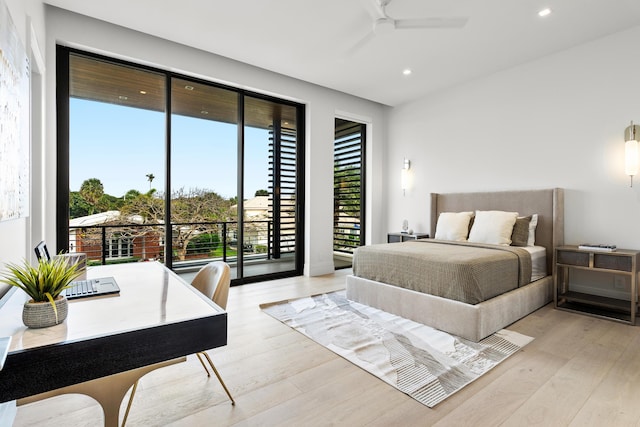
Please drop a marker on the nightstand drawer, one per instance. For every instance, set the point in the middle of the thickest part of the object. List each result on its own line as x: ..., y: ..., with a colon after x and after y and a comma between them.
x: 580, y: 259
x: 612, y: 262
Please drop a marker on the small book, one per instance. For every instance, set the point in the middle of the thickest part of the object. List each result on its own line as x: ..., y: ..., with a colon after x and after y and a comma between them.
x: 597, y: 247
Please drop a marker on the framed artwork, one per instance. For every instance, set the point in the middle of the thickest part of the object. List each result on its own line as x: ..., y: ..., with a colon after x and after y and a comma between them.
x: 14, y: 121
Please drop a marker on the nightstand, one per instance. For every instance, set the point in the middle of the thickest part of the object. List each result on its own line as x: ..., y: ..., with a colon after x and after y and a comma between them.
x: 403, y: 237
x: 619, y: 265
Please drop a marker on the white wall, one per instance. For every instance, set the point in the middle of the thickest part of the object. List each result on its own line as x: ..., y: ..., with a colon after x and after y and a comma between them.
x: 322, y: 106
x: 555, y: 122
x: 15, y: 240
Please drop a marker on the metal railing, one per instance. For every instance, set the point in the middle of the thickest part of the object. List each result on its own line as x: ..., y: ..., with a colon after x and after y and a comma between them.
x: 192, y: 242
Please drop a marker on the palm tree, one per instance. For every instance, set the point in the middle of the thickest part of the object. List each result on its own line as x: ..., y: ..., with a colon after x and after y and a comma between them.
x: 92, y: 191
x: 150, y: 177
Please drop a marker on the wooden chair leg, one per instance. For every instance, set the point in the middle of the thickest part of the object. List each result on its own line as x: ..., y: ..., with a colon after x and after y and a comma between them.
x: 215, y: 371
x: 126, y: 413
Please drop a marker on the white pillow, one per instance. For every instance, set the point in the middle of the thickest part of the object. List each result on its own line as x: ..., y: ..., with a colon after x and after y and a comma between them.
x: 532, y: 230
x: 453, y: 226
x: 494, y: 227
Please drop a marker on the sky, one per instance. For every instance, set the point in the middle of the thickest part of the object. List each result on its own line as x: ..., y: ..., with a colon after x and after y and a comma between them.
x: 121, y: 145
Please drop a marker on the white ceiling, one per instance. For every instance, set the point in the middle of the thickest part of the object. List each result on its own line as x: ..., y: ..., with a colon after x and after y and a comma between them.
x: 313, y: 40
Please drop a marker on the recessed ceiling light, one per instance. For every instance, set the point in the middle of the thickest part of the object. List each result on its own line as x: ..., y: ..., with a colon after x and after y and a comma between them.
x: 544, y: 12
x: 406, y: 71
x: 143, y: 92
x: 205, y: 112
x: 123, y: 98
x: 188, y: 87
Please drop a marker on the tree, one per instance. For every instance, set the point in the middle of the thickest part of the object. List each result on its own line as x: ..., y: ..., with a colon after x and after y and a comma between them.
x: 92, y: 191
x: 346, y: 184
x: 150, y: 177
x: 78, y: 206
x: 141, y: 208
x: 196, y: 206
x: 188, y: 209
x: 262, y: 193
x: 131, y: 194
x: 109, y: 203
x: 150, y: 208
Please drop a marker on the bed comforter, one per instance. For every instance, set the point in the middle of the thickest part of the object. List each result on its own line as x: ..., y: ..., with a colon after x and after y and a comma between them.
x: 461, y: 271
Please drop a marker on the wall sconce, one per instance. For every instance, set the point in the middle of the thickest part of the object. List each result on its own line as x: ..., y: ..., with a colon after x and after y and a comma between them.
x: 631, y: 150
x: 404, y: 177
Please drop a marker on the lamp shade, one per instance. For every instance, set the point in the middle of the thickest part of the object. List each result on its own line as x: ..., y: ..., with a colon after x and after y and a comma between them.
x: 631, y: 157
x: 404, y: 179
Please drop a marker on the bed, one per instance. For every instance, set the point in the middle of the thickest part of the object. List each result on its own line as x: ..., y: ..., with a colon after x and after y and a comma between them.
x: 473, y: 319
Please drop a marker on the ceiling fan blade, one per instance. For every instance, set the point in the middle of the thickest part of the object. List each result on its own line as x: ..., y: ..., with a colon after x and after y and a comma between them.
x: 361, y: 43
x: 434, y: 22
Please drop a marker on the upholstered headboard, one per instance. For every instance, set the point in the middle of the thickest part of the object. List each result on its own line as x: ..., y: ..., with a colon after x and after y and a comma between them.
x: 548, y: 204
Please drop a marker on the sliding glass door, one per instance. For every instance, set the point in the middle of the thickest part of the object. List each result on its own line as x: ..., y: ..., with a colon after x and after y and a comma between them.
x: 204, y: 173
x: 115, y: 141
x: 154, y: 165
x: 270, y: 188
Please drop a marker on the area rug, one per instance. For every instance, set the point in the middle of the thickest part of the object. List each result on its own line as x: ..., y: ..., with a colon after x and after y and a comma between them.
x: 427, y: 364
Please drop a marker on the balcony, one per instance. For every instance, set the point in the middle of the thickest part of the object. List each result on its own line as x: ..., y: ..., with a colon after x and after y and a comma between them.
x: 194, y: 244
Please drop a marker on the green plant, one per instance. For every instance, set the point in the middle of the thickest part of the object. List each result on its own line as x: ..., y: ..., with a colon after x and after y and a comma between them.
x: 203, y: 243
x: 44, y: 282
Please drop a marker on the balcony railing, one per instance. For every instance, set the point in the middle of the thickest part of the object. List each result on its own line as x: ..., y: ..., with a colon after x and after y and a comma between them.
x: 192, y: 242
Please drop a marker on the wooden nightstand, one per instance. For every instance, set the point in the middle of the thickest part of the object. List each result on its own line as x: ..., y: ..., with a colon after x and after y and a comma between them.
x: 403, y: 237
x: 622, y: 262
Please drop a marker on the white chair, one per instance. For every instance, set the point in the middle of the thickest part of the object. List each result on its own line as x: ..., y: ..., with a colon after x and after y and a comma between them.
x: 213, y: 280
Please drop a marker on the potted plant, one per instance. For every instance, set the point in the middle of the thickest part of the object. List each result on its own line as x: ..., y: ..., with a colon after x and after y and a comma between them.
x: 43, y: 284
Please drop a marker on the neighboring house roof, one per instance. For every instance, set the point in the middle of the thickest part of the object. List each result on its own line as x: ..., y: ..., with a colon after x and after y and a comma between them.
x: 101, y: 218
x: 257, y: 203
x: 95, y: 219
x: 256, y: 206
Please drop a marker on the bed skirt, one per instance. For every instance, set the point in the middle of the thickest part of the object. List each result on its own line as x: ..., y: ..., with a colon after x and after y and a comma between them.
x: 473, y: 322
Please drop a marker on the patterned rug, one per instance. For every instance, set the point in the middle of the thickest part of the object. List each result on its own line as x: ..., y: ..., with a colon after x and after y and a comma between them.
x: 427, y: 364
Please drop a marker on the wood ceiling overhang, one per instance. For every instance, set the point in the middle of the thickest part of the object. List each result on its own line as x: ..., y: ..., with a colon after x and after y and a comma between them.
x: 103, y: 81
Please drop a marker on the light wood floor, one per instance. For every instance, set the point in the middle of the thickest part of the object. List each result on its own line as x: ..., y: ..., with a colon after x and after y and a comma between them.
x: 579, y: 371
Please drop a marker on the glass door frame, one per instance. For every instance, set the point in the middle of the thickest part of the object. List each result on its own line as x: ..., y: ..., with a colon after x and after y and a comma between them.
x: 63, y: 152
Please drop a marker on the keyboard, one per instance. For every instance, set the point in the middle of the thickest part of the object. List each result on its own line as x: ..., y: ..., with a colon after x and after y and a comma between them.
x: 92, y: 288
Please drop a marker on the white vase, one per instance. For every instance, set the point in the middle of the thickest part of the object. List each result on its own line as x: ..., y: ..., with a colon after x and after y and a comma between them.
x: 42, y: 315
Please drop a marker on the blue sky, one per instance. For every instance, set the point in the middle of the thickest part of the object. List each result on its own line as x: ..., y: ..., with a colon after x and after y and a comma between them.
x: 121, y: 145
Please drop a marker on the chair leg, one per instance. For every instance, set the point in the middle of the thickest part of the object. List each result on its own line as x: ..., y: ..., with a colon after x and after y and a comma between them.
x: 203, y: 365
x: 215, y: 371
x: 126, y: 413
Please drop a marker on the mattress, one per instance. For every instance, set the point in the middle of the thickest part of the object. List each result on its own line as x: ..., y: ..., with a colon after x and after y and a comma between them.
x: 538, y: 261
x: 461, y: 271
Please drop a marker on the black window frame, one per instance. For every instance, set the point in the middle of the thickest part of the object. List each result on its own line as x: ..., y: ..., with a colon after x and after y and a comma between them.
x: 62, y: 157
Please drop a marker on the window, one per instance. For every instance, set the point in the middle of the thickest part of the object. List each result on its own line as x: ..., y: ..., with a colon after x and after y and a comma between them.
x: 348, y: 190
x: 155, y: 165
x: 120, y: 247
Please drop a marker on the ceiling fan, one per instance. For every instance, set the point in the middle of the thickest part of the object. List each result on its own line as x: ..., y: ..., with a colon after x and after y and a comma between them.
x: 383, y: 23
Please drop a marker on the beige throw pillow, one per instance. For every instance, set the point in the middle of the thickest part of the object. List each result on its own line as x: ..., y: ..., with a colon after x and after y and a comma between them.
x: 493, y: 227
x: 453, y: 226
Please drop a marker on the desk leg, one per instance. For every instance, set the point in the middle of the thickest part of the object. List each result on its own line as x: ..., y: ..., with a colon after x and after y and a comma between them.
x: 107, y: 391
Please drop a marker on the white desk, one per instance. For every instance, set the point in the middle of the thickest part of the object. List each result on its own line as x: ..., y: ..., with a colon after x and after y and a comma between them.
x: 156, y: 320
